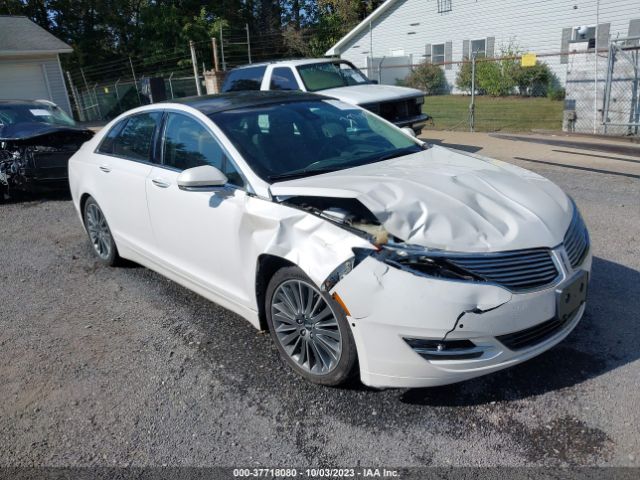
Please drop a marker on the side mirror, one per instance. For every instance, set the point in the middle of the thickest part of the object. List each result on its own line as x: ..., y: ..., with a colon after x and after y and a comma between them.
x: 409, y: 131
x: 199, y: 178
x: 375, y: 82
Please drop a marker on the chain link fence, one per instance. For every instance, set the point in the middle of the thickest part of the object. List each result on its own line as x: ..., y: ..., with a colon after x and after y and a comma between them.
x: 580, y: 91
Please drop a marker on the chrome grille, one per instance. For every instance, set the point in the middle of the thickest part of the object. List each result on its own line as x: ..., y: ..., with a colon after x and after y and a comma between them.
x: 517, y: 270
x: 576, y: 240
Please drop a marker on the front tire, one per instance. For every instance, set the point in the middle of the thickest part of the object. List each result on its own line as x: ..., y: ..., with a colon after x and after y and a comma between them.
x: 309, y: 329
x: 99, y: 233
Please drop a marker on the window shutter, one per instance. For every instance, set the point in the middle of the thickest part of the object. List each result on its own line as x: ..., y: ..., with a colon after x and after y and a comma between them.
x: 448, y: 54
x: 465, y: 49
x: 634, y: 31
x: 564, y: 45
x: 490, y: 47
x: 603, y: 35
x: 427, y: 53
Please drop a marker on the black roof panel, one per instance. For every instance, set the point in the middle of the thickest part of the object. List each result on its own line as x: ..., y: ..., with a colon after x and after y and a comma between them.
x: 208, y: 104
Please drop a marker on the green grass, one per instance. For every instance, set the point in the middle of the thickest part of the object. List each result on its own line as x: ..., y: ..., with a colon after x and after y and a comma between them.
x: 509, y: 114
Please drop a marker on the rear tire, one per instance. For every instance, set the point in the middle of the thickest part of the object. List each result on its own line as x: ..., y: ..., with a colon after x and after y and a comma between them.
x: 99, y: 233
x: 309, y: 329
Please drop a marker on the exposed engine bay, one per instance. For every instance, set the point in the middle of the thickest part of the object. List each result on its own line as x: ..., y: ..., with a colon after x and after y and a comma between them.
x: 37, y: 157
x: 348, y: 212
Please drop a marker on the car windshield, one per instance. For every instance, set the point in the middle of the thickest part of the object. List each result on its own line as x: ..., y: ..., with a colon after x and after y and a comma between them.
x: 298, y: 139
x: 34, y: 113
x: 324, y: 75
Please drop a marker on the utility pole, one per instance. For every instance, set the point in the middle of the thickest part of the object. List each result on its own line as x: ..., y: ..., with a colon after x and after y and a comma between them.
x: 194, y: 61
x: 224, y: 65
x: 595, y: 73
x: 135, y: 82
x: 214, y: 47
x: 371, y: 43
x: 472, y: 106
x: 246, y: 26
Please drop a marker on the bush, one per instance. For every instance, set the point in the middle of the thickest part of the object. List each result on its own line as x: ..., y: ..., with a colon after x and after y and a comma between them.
x: 533, y: 81
x: 427, y: 77
x: 492, y: 78
x: 499, y: 78
x: 463, y: 78
x: 556, y: 93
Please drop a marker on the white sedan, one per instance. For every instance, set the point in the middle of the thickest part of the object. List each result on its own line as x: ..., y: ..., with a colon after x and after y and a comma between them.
x: 360, y: 248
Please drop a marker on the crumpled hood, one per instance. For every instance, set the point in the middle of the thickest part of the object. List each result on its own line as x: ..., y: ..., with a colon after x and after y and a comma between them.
x: 29, y: 130
x: 371, y: 93
x: 445, y: 199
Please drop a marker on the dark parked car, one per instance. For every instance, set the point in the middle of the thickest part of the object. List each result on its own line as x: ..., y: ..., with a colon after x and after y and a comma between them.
x: 36, y: 140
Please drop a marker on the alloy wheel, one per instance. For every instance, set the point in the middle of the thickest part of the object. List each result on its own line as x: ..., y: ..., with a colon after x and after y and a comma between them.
x: 99, y: 232
x: 306, y: 327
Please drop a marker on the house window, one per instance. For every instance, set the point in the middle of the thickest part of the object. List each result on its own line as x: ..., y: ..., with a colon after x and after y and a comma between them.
x: 479, y: 47
x: 444, y: 6
x: 585, y: 33
x: 437, y: 53
x: 580, y: 34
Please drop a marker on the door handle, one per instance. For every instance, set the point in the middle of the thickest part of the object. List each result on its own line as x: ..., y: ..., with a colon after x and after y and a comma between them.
x: 105, y: 168
x: 160, y: 183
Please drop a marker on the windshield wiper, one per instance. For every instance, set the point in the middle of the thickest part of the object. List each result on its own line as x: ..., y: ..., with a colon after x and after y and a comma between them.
x: 300, y: 173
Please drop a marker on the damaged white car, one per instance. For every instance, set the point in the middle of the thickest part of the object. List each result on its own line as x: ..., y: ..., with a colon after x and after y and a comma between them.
x: 360, y: 248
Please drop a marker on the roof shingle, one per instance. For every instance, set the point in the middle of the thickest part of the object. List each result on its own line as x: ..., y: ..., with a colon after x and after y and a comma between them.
x: 19, y: 35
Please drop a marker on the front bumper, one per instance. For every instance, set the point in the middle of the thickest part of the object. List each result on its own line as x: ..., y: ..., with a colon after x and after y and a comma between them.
x: 388, y: 305
x: 417, y: 123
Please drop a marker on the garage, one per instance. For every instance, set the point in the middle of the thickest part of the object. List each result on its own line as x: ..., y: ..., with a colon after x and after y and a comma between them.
x: 30, y: 62
x: 23, y: 81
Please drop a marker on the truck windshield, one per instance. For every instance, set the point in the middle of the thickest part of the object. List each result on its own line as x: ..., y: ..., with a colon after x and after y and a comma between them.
x: 303, y: 138
x: 324, y: 75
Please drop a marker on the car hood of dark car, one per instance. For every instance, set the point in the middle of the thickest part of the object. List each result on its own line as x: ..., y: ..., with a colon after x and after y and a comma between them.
x: 27, y: 131
x: 451, y: 200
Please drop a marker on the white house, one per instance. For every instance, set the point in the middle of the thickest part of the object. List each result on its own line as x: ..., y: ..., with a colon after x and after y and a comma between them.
x: 405, y: 32
x: 29, y: 62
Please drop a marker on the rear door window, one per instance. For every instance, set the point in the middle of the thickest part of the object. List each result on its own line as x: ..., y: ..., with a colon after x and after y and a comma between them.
x: 248, y: 78
x: 134, y: 139
x: 282, y: 78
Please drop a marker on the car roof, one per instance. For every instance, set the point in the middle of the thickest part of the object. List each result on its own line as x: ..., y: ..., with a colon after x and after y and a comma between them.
x: 292, y: 62
x: 23, y: 102
x: 208, y: 104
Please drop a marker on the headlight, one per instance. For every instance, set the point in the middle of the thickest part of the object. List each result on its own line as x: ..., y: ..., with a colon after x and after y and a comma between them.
x: 418, y: 260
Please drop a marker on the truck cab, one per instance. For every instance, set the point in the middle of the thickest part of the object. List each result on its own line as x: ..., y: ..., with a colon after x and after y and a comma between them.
x: 334, y: 78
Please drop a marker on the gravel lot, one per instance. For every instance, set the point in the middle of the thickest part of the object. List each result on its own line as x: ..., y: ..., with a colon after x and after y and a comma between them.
x: 105, y: 366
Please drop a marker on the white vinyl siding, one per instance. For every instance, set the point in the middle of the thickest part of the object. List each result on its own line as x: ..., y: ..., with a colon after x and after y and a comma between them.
x: 532, y: 26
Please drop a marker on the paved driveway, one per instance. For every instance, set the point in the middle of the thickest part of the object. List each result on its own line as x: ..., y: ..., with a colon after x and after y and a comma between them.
x: 122, y: 367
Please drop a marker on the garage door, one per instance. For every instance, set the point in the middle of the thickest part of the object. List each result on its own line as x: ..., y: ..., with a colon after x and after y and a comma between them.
x: 22, y: 81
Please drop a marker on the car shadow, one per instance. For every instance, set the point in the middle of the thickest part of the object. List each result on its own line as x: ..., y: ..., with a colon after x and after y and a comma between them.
x: 454, y: 146
x: 19, y: 196
x: 605, y: 339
